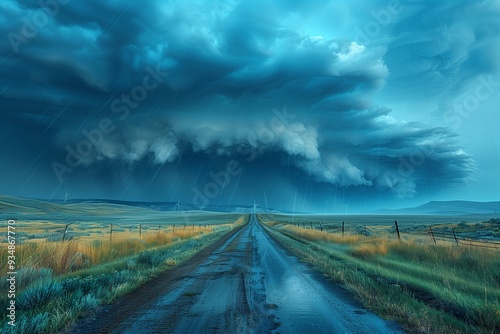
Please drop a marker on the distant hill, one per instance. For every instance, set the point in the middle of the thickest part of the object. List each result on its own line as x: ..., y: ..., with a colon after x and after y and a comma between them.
x: 11, y: 204
x: 172, y: 206
x: 448, y: 208
x: 14, y: 207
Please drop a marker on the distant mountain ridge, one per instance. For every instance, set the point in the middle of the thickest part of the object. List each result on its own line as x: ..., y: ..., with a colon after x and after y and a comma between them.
x: 449, y: 207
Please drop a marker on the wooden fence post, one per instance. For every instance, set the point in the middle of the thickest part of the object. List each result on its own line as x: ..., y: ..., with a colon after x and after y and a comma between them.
x: 343, y: 228
x: 140, y: 230
x: 321, y: 226
x: 64, y: 234
x: 432, y: 234
x: 397, y: 229
x: 365, y: 231
x: 111, y: 232
x: 455, y: 236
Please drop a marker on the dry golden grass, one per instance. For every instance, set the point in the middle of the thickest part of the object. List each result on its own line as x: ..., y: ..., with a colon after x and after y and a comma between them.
x: 370, y: 249
x: 87, y: 251
x: 316, y: 235
x: 360, y: 246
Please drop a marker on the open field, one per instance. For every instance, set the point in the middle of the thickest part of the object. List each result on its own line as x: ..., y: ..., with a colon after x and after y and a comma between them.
x: 59, y: 281
x: 406, y: 222
x: 428, y: 287
x: 100, y: 229
x: 43, y: 221
x: 112, y: 253
x: 482, y: 228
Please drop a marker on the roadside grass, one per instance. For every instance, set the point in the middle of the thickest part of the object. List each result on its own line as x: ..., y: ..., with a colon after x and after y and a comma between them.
x: 316, y: 235
x: 427, y: 288
x: 76, y: 254
x: 59, y: 282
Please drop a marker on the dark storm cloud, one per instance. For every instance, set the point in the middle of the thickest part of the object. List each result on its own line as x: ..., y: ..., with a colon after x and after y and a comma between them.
x: 229, y: 77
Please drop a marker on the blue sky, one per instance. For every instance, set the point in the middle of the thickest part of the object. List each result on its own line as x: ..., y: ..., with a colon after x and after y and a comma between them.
x: 298, y: 105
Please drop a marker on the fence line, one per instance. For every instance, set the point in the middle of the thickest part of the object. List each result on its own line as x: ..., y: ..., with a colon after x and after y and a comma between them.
x: 445, y: 236
x: 465, y: 240
x: 63, y: 232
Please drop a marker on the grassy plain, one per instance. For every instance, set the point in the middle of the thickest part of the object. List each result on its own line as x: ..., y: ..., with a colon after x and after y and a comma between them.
x: 59, y: 281
x: 427, y: 287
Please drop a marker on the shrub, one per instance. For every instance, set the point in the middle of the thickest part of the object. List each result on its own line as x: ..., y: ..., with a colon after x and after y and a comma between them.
x: 494, y: 221
x: 121, y: 277
x: 104, y: 280
x: 145, y: 258
x: 363, y: 231
x: 88, y: 304
x: 85, y: 285
x: 39, y: 294
x: 38, y: 323
x: 149, y: 258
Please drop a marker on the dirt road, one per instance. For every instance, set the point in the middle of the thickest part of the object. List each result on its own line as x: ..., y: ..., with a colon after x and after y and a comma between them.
x: 248, y: 284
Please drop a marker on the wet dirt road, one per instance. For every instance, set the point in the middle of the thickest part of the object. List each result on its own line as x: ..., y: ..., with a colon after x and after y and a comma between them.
x: 248, y: 284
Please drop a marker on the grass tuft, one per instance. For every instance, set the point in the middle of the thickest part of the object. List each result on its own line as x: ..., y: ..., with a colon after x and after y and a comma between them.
x: 39, y: 294
x: 370, y: 249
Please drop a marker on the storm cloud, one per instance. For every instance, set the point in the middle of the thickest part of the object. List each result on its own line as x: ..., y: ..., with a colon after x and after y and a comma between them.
x: 140, y: 97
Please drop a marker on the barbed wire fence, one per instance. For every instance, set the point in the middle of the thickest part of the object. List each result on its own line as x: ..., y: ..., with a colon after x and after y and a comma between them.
x: 450, y: 235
